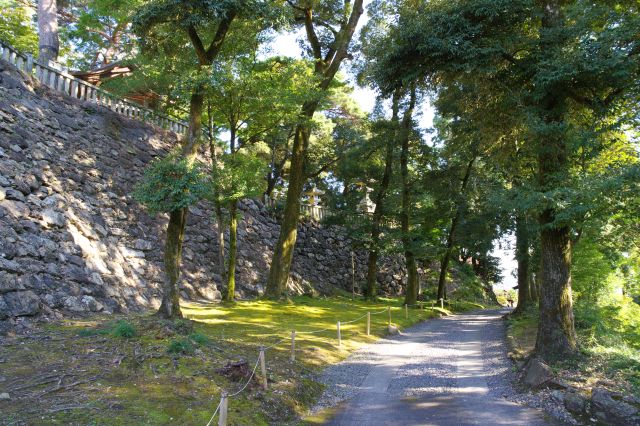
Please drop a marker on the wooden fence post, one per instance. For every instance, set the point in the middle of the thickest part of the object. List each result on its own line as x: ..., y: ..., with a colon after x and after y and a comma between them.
x: 353, y: 275
x: 293, y: 345
x: 368, y: 323
x: 224, y: 406
x: 263, y: 368
x: 339, y: 336
x: 441, y: 303
x: 406, y: 311
x: 389, y: 312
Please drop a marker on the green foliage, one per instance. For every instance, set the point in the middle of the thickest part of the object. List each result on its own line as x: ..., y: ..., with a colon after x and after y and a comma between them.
x: 238, y: 176
x: 17, y: 26
x: 171, y: 183
x: 181, y: 346
x: 199, y: 338
x: 470, y: 287
x: 123, y: 329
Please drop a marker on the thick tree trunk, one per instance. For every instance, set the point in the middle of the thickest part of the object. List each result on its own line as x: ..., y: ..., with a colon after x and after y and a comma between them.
x: 233, y: 248
x: 522, y: 257
x: 411, y: 290
x: 48, y: 43
x: 283, y: 251
x: 372, y: 264
x: 556, y: 333
x: 220, y: 225
x: 170, y: 306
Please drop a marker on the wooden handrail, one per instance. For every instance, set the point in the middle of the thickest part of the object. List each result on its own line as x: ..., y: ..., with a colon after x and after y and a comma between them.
x: 63, y: 82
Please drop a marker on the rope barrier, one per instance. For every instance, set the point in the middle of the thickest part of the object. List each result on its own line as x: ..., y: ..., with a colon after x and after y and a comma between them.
x: 352, y: 321
x: 224, y: 398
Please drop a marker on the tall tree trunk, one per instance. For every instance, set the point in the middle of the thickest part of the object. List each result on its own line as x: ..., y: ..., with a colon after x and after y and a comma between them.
x: 325, y: 68
x: 218, y: 209
x: 372, y: 262
x: 283, y: 251
x: 233, y: 248
x: 170, y: 306
x: 556, y: 332
x: 522, y: 257
x: 446, y: 257
x: 411, y: 290
x: 222, y: 270
x: 48, y: 42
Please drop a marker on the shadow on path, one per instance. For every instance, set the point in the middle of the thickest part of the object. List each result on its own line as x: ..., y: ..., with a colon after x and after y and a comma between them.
x: 434, y: 374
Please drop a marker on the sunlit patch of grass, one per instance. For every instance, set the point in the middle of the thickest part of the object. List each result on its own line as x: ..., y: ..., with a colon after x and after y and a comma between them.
x: 139, y: 369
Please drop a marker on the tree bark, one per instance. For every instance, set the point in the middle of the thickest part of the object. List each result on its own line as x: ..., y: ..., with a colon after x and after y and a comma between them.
x: 444, y: 263
x: 522, y: 257
x: 372, y: 262
x: 218, y: 209
x: 48, y: 41
x: 170, y: 306
x: 411, y: 290
x: 233, y: 248
x: 283, y: 251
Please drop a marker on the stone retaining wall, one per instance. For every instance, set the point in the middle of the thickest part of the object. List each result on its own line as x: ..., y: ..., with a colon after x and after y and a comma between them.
x: 73, y: 240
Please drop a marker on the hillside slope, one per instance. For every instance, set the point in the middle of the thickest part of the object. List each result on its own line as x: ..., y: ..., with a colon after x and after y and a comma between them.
x: 73, y: 240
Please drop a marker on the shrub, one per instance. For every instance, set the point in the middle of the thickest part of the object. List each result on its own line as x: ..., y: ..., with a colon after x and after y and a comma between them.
x: 123, y: 329
x: 180, y: 346
x: 171, y: 183
x: 199, y: 338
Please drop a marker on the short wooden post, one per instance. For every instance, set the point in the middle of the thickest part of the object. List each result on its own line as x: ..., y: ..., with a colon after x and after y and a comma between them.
x: 353, y: 275
x: 224, y: 406
x: 339, y: 336
x: 263, y: 368
x: 368, y: 323
x: 441, y: 303
x: 293, y: 345
x: 389, y: 312
x: 406, y: 311
x: 422, y: 306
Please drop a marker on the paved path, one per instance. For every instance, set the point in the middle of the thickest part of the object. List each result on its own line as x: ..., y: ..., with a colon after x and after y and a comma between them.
x: 448, y: 371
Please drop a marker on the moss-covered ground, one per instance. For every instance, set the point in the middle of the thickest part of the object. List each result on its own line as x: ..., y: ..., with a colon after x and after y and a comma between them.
x: 139, y: 369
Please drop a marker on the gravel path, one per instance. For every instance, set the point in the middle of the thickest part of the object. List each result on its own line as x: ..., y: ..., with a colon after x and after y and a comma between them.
x: 447, y: 371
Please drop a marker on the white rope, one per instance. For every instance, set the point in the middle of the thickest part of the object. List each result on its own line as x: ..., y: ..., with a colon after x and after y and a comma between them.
x: 314, y: 331
x: 248, y: 381
x: 380, y: 312
x: 214, y: 413
x: 349, y: 322
x: 276, y: 344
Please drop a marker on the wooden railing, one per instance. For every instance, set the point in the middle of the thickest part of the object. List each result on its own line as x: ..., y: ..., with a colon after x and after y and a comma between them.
x: 69, y: 85
x: 315, y: 212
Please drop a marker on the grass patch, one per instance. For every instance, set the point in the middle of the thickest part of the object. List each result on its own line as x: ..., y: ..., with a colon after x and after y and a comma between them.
x: 139, y: 369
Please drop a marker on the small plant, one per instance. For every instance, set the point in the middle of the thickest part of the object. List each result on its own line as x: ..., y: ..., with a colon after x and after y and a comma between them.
x: 123, y: 329
x: 88, y: 332
x: 199, y: 338
x: 180, y: 346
